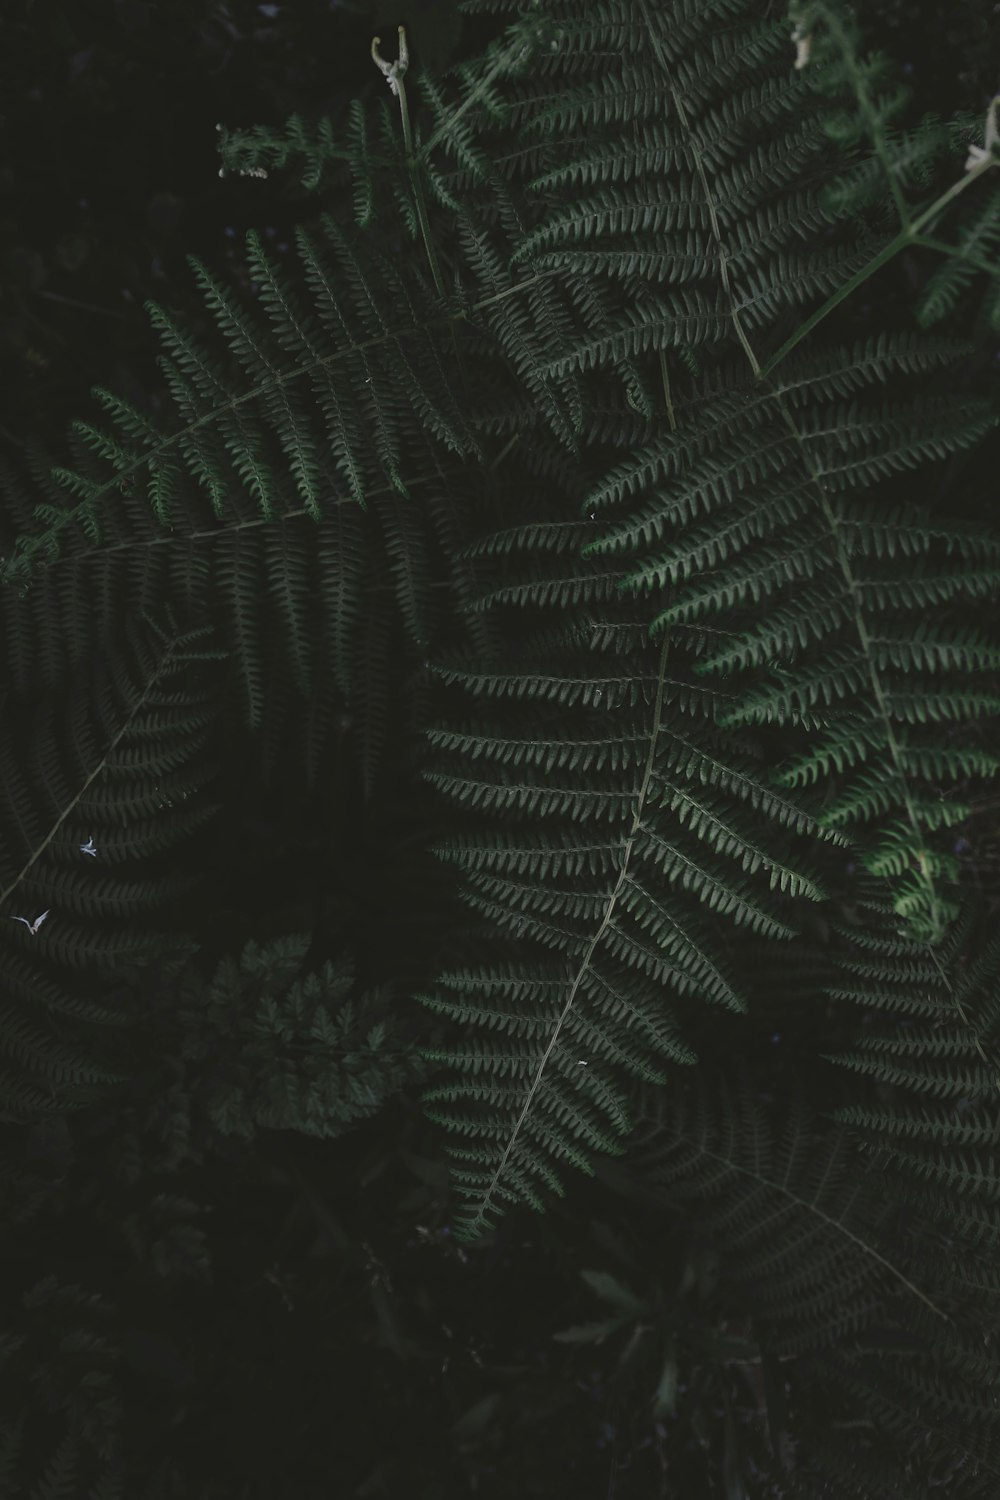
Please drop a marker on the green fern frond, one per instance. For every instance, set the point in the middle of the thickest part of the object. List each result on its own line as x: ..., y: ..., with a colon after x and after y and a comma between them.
x: 882, y: 1329
x: 126, y: 761
x: 599, y: 852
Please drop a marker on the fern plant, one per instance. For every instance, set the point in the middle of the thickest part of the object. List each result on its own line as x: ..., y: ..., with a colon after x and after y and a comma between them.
x: 767, y: 562
x: 875, y: 1332
x: 562, y: 428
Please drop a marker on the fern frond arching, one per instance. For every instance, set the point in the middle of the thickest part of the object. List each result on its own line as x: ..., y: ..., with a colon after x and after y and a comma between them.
x: 606, y: 829
x: 365, y: 350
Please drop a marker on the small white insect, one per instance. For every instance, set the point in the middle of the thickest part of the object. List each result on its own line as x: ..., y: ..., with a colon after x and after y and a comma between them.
x: 32, y: 926
x: 88, y: 847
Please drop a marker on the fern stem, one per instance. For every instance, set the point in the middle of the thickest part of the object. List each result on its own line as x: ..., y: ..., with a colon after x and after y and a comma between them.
x: 940, y: 204
x: 625, y: 1179
x: 395, y: 77
x: 885, y: 254
x: 929, y: 243
x: 665, y: 375
x: 503, y: 452
x: 105, y: 312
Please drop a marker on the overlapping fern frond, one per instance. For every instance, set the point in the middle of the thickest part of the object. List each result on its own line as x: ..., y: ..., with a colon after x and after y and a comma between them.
x: 610, y: 825
x: 862, y: 1330
x: 759, y: 488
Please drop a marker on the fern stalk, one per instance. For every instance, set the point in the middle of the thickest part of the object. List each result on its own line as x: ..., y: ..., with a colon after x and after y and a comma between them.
x: 394, y: 76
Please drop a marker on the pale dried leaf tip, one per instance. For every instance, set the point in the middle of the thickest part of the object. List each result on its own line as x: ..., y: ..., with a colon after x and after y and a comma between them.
x: 803, y: 43
x: 978, y: 154
x: 392, y: 71
x: 32, y: 926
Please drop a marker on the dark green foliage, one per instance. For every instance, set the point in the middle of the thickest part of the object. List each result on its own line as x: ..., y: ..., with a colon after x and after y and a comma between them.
x: 266, y: 1047
x: 604, y: 587
x: 807, y: 1245
x: 117, y: 753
